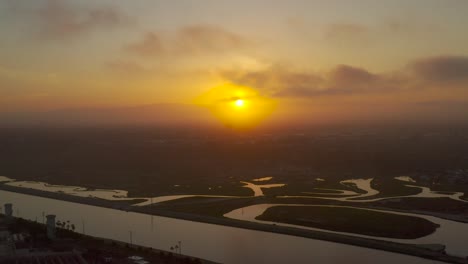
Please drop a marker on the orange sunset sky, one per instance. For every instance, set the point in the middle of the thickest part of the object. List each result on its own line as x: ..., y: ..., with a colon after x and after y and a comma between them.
x: 303, y: 61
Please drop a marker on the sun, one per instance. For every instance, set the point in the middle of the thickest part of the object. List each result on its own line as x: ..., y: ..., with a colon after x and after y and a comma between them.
x: 237, y: 106
x: 239, y: 103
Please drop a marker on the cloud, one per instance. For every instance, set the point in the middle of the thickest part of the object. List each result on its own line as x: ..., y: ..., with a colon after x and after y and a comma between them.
x: 297, y: 91
x: 357, y: 36
x: 347, y: 77
x: 193, y: 40
x: 276, y: 80
x: 347, y: 74
x: 126, y: 67
x: 344, y: 31
x: 442, y: 69
x: 151, y: 44
x: 282, y: 82
x: 434, y: 72
x: 55, y: 19
x: 199, y: 38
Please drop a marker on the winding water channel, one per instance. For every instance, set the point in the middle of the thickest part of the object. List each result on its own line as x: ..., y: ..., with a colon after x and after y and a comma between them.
x: 213, y: 242
x: 229, y: 244
x: 450, y: 233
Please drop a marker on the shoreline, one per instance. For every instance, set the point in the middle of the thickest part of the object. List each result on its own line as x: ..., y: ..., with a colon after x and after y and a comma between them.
x: 407, y: 249
x: 123, y: 245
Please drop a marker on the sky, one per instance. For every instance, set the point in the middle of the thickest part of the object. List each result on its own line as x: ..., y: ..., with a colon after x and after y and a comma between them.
x: 303, y: 61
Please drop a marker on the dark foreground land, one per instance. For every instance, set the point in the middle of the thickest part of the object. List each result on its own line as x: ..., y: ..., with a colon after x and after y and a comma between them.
x: 93, y: 250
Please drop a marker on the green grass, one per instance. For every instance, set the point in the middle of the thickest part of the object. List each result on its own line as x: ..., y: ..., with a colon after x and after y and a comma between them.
x: 435, y: 205
x: 351, y: 220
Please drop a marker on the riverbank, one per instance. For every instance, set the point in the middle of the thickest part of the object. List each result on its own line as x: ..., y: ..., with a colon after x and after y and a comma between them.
x: 368, y: 243
x: 92, y: 249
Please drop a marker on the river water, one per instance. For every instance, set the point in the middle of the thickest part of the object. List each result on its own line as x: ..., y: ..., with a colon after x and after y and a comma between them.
x: 213, y: 242
x: 450, y: 233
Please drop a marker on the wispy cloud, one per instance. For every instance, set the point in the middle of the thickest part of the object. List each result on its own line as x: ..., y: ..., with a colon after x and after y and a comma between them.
x: 55, y: 19
x: 151, y: 44
x: 442, y: 69
x: 193, y: 40
x: 277, y: 80
x: 201, y: 38
x: 126, y: 67
x: 345, y: 30
x: 281, y: 82
x: 434, y: 72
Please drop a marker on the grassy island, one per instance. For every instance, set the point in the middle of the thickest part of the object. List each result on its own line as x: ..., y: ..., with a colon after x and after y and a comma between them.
x: 351, y: 220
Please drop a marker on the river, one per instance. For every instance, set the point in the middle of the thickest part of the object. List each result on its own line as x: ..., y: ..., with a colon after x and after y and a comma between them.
x: 449, y: 233
x: 213, y: 242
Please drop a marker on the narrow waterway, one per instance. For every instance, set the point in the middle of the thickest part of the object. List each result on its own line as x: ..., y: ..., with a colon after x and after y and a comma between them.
x: 213, y: 242
x: 450, y: 233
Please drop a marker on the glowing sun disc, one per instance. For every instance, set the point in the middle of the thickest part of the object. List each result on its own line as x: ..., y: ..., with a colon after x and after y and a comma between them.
x: 239, y: 103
